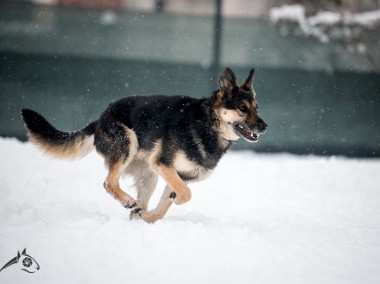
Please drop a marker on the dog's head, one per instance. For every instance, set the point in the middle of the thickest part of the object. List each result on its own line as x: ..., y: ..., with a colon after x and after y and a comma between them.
x: 236, y: 108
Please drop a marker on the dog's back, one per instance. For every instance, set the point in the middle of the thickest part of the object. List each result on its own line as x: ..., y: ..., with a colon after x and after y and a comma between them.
x: 178, y: 122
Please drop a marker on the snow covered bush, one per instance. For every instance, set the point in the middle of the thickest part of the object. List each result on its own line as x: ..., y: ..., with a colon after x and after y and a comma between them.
x: 326, y: 26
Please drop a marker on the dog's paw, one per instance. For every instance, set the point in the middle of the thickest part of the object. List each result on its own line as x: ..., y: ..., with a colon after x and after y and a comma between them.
x: 130, y: 204
x: 172, y: 196
x: 179, y: 199
x: 147, y: 216
x: 136, y: 213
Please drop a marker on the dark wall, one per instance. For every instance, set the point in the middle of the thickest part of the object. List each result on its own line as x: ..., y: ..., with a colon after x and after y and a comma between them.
x: 307, y: 112
x: 69, y: 64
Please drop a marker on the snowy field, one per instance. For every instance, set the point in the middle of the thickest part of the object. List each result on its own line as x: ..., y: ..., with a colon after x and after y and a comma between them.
x: 257, y: 219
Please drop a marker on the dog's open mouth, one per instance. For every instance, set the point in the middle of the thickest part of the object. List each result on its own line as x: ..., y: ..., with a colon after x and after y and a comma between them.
x: 242, y: 130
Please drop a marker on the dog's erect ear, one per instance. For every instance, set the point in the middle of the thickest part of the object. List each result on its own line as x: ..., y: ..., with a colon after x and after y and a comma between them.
x: 227, y: 80
x: 18, y: 256
x: 24, y: 252
x: 247, y: 85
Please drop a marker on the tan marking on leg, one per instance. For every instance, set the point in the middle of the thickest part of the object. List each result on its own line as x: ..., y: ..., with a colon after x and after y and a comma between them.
x: 113, y: 187
x: 115, y: 171
x: 169, y: 174
x: 155, y: 152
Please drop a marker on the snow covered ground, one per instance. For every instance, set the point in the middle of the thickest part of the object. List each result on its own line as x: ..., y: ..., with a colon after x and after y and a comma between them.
x: 257, y: 219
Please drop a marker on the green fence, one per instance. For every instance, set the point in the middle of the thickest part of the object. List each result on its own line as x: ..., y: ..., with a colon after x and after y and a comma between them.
x: 69, y: 64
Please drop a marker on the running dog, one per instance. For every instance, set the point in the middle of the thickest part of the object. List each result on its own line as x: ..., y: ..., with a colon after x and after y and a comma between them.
x: 178, y: 138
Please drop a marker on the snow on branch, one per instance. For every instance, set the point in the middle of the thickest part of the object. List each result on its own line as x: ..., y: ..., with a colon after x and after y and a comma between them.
x: 368, y: 19
x: 319, y: 24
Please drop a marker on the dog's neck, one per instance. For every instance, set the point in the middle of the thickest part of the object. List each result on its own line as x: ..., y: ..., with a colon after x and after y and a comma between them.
x: 223, y: 142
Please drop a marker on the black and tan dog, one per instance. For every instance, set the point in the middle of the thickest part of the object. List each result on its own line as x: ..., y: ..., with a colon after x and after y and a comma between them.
x: 179, y: 138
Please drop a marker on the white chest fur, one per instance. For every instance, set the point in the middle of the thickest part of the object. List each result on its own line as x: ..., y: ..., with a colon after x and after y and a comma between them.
x: 183, y: 165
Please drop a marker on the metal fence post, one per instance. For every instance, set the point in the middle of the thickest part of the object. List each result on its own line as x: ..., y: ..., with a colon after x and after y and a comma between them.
x: 215, y: 64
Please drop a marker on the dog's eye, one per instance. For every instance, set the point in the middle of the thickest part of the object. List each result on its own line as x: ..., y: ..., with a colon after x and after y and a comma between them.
x: 243, y: 108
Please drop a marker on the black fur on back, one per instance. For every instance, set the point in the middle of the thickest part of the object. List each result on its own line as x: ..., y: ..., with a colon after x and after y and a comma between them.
x: 179, y: 122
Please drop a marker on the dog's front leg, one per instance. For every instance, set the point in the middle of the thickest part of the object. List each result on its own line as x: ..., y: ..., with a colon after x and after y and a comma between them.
x: 181, y: 193
x: 157, y: 213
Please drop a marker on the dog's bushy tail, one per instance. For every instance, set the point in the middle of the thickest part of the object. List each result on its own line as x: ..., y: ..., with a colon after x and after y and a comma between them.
x: 69, y: 145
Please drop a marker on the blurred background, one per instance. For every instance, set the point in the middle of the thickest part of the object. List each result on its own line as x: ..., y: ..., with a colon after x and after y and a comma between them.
x: 317, y: 63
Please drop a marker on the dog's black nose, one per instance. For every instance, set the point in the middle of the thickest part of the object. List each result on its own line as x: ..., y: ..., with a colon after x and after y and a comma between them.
x: 262, y: 127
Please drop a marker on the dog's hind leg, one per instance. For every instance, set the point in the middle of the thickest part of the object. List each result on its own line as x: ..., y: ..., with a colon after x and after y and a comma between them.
x: 157, y: 213
x: 145, y: 181
x: 118, y: 144
x: 145, y: 189
x: 113, y: 187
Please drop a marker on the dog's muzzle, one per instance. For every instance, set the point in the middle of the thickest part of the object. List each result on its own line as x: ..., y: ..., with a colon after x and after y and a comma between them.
x: 250, y: 134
